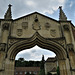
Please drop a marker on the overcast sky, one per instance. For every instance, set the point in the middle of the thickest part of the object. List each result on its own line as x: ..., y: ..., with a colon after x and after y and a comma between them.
x: 47, y: 7
x: 35, y: 53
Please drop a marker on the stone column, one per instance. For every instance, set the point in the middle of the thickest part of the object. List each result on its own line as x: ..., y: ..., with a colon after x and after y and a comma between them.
x: 72, y: 61
x: 2, y: 62
x: 67, y: 62
x: 64, y: 67
x: 9, y: 67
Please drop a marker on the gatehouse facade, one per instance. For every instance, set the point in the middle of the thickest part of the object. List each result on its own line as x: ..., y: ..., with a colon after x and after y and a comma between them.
x: 37, y: 29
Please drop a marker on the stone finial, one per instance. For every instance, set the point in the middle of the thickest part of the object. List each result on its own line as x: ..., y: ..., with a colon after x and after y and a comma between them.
x: 62, y: 16
x: 8, y: 14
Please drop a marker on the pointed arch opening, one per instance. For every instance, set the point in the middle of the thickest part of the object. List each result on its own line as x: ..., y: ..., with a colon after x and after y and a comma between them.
x: 43, y: 43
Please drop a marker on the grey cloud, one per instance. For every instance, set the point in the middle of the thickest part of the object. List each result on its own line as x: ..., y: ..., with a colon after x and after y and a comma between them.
x: 23, y: 55
x: 20, y: 7
x: 35, y: 53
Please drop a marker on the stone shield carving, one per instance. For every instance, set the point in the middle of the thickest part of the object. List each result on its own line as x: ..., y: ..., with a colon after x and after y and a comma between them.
x: 47, y: 26
x: 36, y: 26
x: 25, y: 25
x: 19, y: 32
x: 53, y: 32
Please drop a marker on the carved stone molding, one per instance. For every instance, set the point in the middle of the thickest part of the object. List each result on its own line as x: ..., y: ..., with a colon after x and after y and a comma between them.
x: 12, y: 41
x: 61, y: 42
x: 70, y: 47
x: 58, y: 40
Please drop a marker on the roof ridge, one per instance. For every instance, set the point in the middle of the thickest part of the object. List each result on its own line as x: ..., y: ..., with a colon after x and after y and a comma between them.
x: 35, y: 13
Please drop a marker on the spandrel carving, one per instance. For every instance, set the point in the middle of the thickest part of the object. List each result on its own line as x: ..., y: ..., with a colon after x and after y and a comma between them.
x: 12, y: 41
x: 70, y: 46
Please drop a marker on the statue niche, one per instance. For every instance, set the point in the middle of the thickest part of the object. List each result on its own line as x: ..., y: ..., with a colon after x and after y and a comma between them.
x: 5, y: 26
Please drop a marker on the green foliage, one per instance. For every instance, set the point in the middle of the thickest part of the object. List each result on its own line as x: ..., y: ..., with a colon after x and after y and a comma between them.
x: 58, y: 71
x: 21, y: 59
x: 42, y: 69
x: 29, y: 73
x: 49, y: 73
x: 22, y: 63
x: 42, y: 62
x: 32, y: 74
x: 42, y: 72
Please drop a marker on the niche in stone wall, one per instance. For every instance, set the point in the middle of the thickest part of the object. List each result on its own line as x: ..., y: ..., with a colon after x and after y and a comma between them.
x: 5, y: 26
x: 67, y: 33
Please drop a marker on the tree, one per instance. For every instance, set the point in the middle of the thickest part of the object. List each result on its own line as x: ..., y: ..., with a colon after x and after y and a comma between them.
x: 19, y: 62
x: 42, y: 72
x: 27, y: 73
x: 49, y: 73
x: 42, y: 62
x: 42, y: 69
x: 21, y: 59
x: 58, y: 72
x: 23, y: 63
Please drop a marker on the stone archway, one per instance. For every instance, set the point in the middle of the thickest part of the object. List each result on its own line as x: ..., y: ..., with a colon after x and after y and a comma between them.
x: 37, y: 29
x: 36, y: 39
